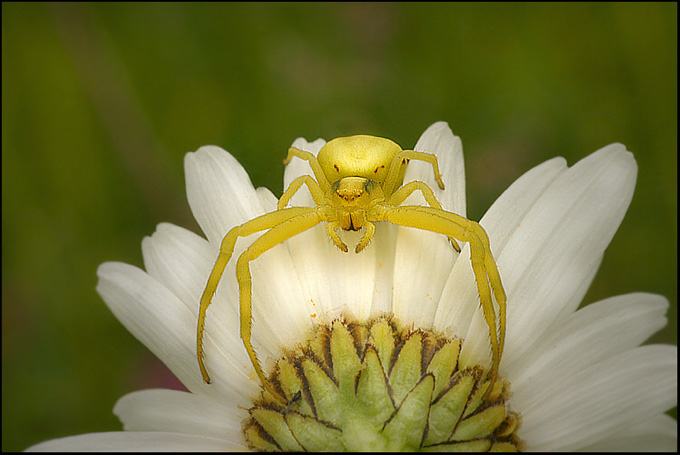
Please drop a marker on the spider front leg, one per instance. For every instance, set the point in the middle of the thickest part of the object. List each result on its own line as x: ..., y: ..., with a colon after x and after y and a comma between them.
x: 405, y: 191
x: 483, y: 265
x: 307, y: 219
x: 261, y: 223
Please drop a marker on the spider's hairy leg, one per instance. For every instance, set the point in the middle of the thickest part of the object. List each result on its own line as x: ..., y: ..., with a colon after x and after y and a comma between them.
x: 405, y: 191
x: 331, y: 230
x: 313, y: 163
x: 400, y: 160
x: 266, y: 221
x: 306, y: 218
x: 483, y: 265
x: 314, y: 189
x: 368, y: 235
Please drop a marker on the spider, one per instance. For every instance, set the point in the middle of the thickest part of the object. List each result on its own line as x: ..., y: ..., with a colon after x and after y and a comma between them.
x: 357, y: 182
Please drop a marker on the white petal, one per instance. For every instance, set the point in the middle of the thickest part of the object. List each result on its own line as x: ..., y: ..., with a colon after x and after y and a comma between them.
x: 657, y: 434
x: 562, y: 239
x: 423, y: 259
x: 332, y: 282
x: 601, y: 399
x: 219, y: 191
x: 279, y: 313
x: 559, y: 242
x: 221, y: 196
x: 165, y: 325
x: 298, y: 167
x: 439, y: 140
x: 179, y: 259
x: 267, y: 199
x: 127, y: 441
x: 592, y: 334
x: 506, y: 214
x: 384, y: 242
x: 180, y: 412
x: 182, y: 261
x: 460, y: 297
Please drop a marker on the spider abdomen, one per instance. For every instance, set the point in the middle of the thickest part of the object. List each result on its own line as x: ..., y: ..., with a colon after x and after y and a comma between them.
x: 358, y: 156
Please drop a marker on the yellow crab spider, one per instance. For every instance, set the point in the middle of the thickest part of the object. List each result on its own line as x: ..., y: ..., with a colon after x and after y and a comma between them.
x: 357, y: 182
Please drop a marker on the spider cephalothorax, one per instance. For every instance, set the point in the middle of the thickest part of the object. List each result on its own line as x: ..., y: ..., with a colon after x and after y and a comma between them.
x: 357, y: 181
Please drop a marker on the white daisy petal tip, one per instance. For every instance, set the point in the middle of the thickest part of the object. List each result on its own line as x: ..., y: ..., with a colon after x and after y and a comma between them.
x: 215, y: 180
x: 311, y: 147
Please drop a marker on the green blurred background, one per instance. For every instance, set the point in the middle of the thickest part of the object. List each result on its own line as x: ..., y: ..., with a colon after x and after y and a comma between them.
x: 100, y: 102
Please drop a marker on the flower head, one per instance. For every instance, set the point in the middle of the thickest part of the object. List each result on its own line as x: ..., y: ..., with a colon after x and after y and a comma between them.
x: 571, y: 379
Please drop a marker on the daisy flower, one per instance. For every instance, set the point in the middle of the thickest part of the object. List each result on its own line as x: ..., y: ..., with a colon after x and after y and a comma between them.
x: 387, y: 349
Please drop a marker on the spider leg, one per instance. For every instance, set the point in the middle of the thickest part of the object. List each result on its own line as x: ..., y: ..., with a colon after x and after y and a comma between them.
x: 314, y: 189
x: 405, y: 191
x: 483, y: 265
x: 331, y: 230
x: 313, y: 163
x: 368, y: 235
x: 303, y: 220
x: 400, y: 160
x: 266, y: 221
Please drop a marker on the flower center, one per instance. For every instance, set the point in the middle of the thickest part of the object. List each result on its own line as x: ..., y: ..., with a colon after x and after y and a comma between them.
x: 377, y: 386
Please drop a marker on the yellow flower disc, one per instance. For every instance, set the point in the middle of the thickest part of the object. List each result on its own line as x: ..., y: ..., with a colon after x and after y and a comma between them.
x: 375, y: 386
